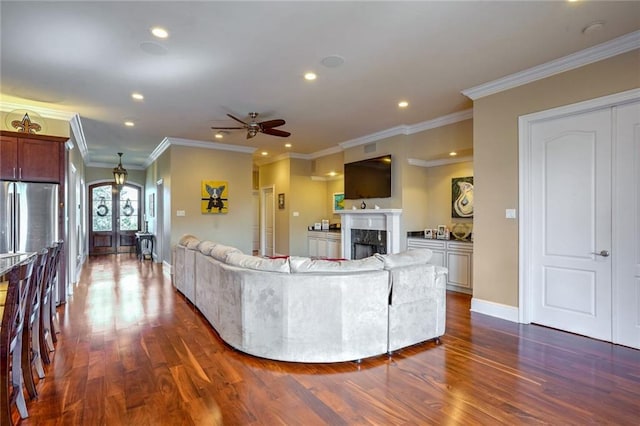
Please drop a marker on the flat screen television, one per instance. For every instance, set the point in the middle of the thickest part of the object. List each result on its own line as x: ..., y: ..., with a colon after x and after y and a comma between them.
x: 370, y: 178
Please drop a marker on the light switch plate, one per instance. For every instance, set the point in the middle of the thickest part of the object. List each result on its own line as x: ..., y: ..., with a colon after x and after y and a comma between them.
x: 510, y: 213
x: 180, y: 213
x: 296, y: 214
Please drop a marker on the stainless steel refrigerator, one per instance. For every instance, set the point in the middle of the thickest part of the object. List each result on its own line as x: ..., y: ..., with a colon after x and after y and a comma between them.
x: 28, y: 216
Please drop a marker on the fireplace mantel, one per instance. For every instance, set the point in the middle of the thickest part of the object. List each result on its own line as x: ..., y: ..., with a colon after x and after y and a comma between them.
x: 373, y: 219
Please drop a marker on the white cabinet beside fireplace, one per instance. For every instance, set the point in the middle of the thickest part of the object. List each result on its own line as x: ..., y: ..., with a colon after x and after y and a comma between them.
x: 457, y: 256
x: 324, y: 244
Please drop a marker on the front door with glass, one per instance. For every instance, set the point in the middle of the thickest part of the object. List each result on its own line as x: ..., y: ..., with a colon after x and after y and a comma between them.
x: 114, y: 218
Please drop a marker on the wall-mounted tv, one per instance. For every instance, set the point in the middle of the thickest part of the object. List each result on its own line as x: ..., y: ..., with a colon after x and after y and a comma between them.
x: 370, y: 178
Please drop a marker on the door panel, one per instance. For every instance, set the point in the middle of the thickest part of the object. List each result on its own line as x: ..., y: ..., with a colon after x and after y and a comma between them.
x: 114, y: 218
x: 627, y: 225
x: 571, y: 177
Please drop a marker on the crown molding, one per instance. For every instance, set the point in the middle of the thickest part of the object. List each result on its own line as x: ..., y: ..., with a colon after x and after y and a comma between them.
x: 44, y: 112
x: 78, y: 134
x: 167, y: 142
x: 325, y: 152
x: 435, y: 163
x: 404, y: 129
x: 112, y: 165
x: 584, y: 57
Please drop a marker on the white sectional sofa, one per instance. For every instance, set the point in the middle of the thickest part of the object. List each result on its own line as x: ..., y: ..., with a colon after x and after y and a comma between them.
x: 306, y: 310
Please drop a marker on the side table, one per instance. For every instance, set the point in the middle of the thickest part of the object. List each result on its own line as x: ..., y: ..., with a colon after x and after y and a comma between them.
x: 147, y: 239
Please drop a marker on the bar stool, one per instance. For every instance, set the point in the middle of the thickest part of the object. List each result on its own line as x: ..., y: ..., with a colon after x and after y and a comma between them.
x: 31, y: 331
x: 55, y: 328
x: 46, y: 341
x: 11, y: 342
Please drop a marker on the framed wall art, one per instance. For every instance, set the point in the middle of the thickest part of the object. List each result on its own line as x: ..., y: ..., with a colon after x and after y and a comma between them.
x: 338, y: 201
x: 214, y: 197
x: 281, y: 201
x: 462, y: 197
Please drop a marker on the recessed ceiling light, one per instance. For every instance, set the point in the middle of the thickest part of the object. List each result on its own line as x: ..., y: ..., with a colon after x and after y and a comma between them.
x: 129, y: 123
x: 264, y: 153
x: 159, y: 32
x: 219, y: 136
x: 453, y: 153
x: 137, y: 96
x: 310, y: 76
x: 332, y: 174
x: 287, y: 145
x: 403, y: 104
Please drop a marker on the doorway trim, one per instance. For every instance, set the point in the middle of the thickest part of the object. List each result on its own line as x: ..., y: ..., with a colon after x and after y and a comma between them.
x: 525, y: 225
x: 263, y: 218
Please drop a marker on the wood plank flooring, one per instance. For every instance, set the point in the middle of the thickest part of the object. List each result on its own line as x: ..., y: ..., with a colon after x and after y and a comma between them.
x: 132, y: 351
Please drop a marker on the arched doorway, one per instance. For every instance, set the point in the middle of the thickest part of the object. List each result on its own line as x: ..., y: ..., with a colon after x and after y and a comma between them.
x: 114, y: 216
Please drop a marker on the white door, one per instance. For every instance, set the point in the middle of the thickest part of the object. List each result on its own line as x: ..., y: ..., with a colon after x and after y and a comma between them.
x: 267, y: 222
x: 255, y: 201
x: 626, y: 253
x: 571, y: 225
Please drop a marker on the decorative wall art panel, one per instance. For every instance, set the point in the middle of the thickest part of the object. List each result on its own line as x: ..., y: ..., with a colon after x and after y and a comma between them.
x: 462, y: 197
x: 215, y: 197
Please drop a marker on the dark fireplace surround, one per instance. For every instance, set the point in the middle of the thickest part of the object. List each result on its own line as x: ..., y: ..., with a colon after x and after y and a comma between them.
x: 366, y: 242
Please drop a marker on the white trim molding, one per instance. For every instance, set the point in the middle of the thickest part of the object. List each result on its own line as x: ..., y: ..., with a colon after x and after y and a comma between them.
x: 78, y: 133
x: 617, y: 46
x: 167, y: 142
x: 435, y: 163
x: 525, y: 223
x: 409, y: 130
x: 498, y: 310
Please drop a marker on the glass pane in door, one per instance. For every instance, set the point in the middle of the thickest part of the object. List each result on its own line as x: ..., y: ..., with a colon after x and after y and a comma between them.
x: 102, y: 208
x: 129, y: 206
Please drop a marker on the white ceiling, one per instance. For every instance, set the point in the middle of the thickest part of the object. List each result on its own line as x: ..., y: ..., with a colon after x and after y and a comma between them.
x: 237, y: 57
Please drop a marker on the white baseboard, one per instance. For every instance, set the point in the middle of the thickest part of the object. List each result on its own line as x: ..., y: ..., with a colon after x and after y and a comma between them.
x: 167, y: 268
x: 498, y: 310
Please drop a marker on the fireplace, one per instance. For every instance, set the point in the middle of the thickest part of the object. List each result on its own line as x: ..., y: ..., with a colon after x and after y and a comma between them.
x: 369, y: 231
x: 366, y: 242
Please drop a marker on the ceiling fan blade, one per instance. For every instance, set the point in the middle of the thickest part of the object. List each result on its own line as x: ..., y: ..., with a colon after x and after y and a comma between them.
x: 272, y: 123
x: 227, y: 128
x: 238, y: 120
x: 276, y: 132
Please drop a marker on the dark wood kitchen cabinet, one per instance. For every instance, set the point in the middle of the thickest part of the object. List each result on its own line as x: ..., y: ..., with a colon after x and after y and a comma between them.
x: 31, y: 158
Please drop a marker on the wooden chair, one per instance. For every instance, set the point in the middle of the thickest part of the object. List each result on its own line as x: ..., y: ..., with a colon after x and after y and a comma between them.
x: 11, y: 342
x: 55, y: 328
x: 31, y: 331
x: 46, y: 340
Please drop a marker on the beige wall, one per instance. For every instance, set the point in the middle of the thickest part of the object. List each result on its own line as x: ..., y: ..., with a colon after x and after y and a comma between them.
x: 277, y: 174
x: 496, y: 162
x: 98, y: 174
x: 438, y: 189
x: 189, y: 167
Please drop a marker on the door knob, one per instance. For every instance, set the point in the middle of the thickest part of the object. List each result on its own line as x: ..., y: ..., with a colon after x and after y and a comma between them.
x: 603, y: 253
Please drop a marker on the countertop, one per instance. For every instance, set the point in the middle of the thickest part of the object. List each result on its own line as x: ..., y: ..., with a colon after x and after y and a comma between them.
x: 337, y: 231
x: 9, y: 260
x: 419, y: 235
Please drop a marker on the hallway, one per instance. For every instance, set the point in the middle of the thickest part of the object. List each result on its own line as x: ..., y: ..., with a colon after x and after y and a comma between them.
x: 133, y: 351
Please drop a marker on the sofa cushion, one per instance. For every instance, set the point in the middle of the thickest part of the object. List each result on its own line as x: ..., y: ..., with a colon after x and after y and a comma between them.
x: 206, y: 246
x: 257, y: 263
x: 186, y: 239
x: 220, y: 252
x: 406, y: 258
x: 303, y: 265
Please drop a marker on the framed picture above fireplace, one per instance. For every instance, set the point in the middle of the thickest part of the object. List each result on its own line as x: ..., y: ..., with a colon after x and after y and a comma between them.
x: 338, y: 201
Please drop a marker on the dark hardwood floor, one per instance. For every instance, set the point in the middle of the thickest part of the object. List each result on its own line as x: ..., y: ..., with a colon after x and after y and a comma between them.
x: 132, y: 351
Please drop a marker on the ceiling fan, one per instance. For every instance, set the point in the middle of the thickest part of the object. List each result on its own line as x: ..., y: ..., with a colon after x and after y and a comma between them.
x: 254, y: 127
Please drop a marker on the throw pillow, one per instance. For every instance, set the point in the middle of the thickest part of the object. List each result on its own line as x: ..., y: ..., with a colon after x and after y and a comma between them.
x: 302, y: 265
x: 220, y: 252
x: 406, y: 258
x: 258, y: 263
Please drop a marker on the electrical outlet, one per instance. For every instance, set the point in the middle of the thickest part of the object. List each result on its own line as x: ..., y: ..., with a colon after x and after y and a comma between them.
x: 510, y: 213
